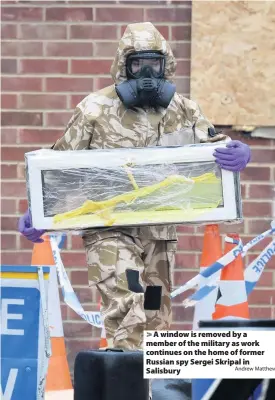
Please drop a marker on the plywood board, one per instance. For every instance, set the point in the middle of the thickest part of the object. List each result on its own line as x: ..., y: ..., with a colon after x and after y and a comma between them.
x: 233, y: 61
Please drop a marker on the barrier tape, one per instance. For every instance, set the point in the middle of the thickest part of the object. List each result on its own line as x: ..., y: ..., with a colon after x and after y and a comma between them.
x: 47, y: 348
x: 202, y: 277
x: 252, y: 273
x: 70, y: 298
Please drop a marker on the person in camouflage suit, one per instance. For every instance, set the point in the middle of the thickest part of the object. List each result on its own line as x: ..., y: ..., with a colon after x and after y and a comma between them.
x: 132, y: 267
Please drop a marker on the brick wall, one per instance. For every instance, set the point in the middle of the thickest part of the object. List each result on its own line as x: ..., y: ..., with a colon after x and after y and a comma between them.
x: 56, y: 52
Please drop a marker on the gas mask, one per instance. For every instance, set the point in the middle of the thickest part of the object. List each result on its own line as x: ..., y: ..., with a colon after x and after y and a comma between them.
x: 145, y: 85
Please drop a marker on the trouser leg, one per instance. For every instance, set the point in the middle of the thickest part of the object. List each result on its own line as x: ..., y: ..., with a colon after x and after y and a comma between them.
x: 115, y: 266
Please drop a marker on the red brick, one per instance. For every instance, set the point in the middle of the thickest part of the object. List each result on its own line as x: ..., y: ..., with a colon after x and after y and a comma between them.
x: 183, y: 85
x: 181, y: 50
x: 232, y: 228
x: 44, y: 66
x: 25, y: 244
x: 15, y: 153
x: 259, y: 246
x: 9, y: 224
x: 100, y: 83
x: 21, y: 49
x: 91, y: 66
x: 263, y: 155
x: 186, y: 260
x: 69, y: 14
x: 119, y: 15
x: 260, y: 296
x: 84, y: 294
x: 43, y: 101
x: 21, y: 172
x: 63, y: 49
x: 93, y: 32
x: 43, y: 31
x: 69, y: 84
x: 8, y: 241
x: 8, y: 172
x: 74, y: 259
x: 23, y: 205
x: 64, y: 312
x: 258, y: 226
x: 181, y: 277
x: 105, y: 49
x: 8, y: 206
x: 164, y: 31
x: 21, y: 118
x: 8, y: 31
x: 21, y: 84
x: 77, y: 243
x: 8, y: 66
x: 181, y: 15
x: 255, y: 174
x: 57, y: 118
x: 266, y: 280
x: 190, y: 243
x: 246, y: 138
x: 183, y: 68
x: 79, y: 277
x: 260, y: 312
x: 76, y: 99
x: 186, y: 229
x: 8, y: 101
x: 16, y: 258
x: 182, y: 314
x: 40, y: 136
x: 22, y: 14
x: 262, y: 209
x: 181, y: 32
x: 261, y: 192
x: 79, y: 329
x: 73, y: 347
x: 13, y: 189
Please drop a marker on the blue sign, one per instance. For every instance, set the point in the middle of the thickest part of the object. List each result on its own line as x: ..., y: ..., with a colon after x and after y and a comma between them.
x: 20, y: 308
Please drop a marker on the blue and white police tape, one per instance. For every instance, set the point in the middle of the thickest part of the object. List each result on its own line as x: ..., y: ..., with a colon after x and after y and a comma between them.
x: 203, y: 276
x: 251, y: 274
x: 255, y: 269
x: 70, y: 298
x: 258, y: 238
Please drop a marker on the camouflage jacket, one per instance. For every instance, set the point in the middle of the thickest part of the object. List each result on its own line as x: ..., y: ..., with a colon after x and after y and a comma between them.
x: 101, y: 121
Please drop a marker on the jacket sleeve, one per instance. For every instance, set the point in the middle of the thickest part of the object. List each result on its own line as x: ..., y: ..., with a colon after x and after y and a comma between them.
x: 78, y: 133
x: 202, y: 127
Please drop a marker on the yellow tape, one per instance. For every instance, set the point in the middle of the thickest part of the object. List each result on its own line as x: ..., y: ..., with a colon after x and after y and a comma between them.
x: 104, y: 209
x: 22, y: 275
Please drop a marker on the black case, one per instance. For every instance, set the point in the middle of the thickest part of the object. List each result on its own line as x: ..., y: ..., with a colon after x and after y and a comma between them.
x: 110, y: 375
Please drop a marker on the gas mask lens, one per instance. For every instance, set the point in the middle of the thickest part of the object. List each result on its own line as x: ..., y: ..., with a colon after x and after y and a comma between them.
x: 154, y: 62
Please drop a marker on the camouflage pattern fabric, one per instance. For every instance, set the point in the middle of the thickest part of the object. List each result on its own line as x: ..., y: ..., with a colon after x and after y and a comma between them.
x: 101, y: 121
x: 109, y: 255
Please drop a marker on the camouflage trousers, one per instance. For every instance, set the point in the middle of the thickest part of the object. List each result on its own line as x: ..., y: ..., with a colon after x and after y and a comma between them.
x: 133, y: 276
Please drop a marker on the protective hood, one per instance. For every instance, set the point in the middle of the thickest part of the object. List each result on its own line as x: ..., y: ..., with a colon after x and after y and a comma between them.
x: 141, y: 37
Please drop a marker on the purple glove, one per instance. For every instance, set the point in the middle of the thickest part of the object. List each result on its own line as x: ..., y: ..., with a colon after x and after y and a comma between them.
x: 234, y: 157
x: 25, y: 227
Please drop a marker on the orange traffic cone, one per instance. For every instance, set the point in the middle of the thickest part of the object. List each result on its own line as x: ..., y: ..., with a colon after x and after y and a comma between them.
x: 232, y: 297
x: 211, y: 252
x: 58, y: 376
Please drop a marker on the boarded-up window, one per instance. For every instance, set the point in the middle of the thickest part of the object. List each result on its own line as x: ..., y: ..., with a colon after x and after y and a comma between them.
x: 233, y: 61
